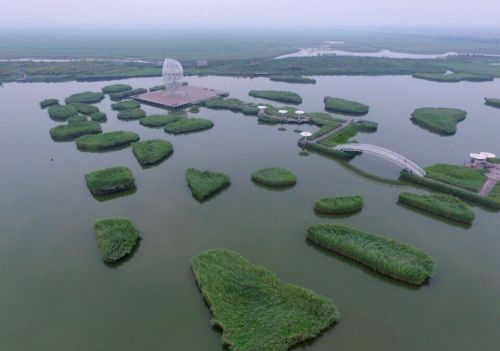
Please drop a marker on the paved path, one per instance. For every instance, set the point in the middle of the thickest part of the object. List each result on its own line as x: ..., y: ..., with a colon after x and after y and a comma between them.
x: 493, y: 176
x: 332, y: 132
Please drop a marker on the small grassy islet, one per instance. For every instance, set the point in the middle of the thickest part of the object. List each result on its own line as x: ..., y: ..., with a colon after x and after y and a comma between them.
x: 77, y: 118
x: 205, y: 184
x: 277, y: 95
x: 344, y: 106
x: 128, y: 93
x: 440, y: 120
x: 116, y: 238
x: 61, y: 112
x: 462, y: 177
x: 116, y: 88
x: 87, y: 97
x: 254, y: 308
x: 156, y: 121
x: 274, y: 177
x: 83, y: 108
x: 106, y: 141
x: 125, y: 105
x: 339, y: 205
x: 110, y: 180
x: 127, y: 115
x: 188, y: 125
x: 74, y: 130
x: 99, y: 117
x: 48, y: 102
x: 150, y: 152
x: 293, y: 79
x: 441, y: 205
x: 493, y: 102
x: 383, y: 255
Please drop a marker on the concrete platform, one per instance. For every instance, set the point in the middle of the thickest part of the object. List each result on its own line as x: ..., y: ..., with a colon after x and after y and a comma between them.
x: 186, y: 96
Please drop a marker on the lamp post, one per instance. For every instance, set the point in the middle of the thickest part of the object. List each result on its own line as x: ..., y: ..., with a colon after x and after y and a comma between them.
x: 305, y: 135
x: 299, y: 113
x: 283, y: 115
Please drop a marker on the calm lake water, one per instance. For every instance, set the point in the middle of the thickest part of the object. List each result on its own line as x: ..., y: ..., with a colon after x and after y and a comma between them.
x: 57, y: 294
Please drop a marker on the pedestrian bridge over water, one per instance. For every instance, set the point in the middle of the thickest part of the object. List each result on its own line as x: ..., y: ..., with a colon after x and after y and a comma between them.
x: 386, y: 154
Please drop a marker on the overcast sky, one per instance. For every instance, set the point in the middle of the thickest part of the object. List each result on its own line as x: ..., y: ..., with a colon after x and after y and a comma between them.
x: 128, y: 13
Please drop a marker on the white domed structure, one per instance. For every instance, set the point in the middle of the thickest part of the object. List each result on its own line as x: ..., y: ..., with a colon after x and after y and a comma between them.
x: 173, y: 75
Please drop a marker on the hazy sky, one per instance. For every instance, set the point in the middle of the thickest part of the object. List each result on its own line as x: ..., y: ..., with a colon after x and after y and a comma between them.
x: 400, y: 13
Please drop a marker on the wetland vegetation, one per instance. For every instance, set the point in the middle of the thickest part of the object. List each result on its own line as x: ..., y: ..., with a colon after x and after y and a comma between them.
x: 339, y: 205
x: 61, y: 112
x: 116, y: 88
x: 274, y: 177
x: 493, y: 102
x: 83, y: 108
x: 440, y: 205
x: 48, y: 102
x: 150, y: 152
x: 344, y: 106
x: 106, y: 141
x: 132, y: 114
x: 277, y: 95
x: 156, y: 121
x: 293, y: 79
x: 74, y: 130
x: 116, y: 238
x: 205, y: 184
x: 87, y: 97
x: 453, y: 77
x: 126, y: 94
x: 383, y: 255
x: 110, y: 180
x: 440, y: 120
x: 254, y: 309
x: 125, y: 105
x: 188, y: 125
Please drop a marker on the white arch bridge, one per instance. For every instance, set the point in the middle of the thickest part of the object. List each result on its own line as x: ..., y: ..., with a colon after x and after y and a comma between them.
x: 386, y: 154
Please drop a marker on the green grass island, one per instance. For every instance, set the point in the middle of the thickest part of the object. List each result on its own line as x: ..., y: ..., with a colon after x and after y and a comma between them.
x: 383, y: 255
x: 48, y: 102
x: 110, y: 180
x: 344, y: 106
x: 188, y: 125
x: 125, y: 105
x: 293, y: 79
x: 116, y: 238
x: 157, y: 121
x: 277, y: 95
x: 127, y: 115
x: 106, y: 141
x: 442, y: 205
x: 61, y: 112
x: 126, y: 94
x: 150, y: 152
x: 453, y: 77
x: 98, y: 117
x: 116, y: 88
x: 493, y: 102
x: 205, y: 184
x: 439, y: 120
x: 83, y: 108
x: 77, y: 118
x: 339, y: 205
x: 232, y: 104
x: 274, y: 177
x: 87, y: 97
x: 74, y: 130
x: 254, y: 309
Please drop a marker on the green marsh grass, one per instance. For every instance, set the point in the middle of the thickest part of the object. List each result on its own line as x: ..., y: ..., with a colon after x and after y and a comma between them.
x: 116, y: 238
x: 274, y: 177
x: 339, y: 205
x: 188, y: 125
x: 106, y: 141
x: 110, y: 180
x: 439, y: 120
x: 87, y: 97
x: 74, y: 130
x: 205, y: 184
x: 349, y: 107
x: 277, y: 95
x: 150, y: 152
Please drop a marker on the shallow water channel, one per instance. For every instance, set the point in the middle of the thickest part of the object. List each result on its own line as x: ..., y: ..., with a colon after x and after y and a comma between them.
x: 57, y: 294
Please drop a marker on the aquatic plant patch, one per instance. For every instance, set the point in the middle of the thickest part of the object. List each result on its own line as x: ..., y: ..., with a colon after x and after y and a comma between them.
x: 493, y: 102
x: 116, y: 238
x: 383, y: 255
x: 150, y: 152
x: 125, y: 105
x: 254, y: 308
x: 463, y: 177
x: 87, y: 97
x: 439, y: 120
x: 61, y: 112
x: 339, y: 205
x: 349, y: 107
x: 48, y: 102
x: 106, y: 141
x: 156, y: 121
x: 277, y: 95
x: 74, y: 130
x: 205, y: 184
x: 131, y: 114
x: 274, y: 177
x: 110, y: 180
x: 116, y: 88
x: 188, y: 125
x: 83, y: 108
x: 99, y: 117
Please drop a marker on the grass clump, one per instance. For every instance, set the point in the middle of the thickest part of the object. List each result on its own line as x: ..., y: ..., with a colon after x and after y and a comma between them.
x: 277, y: 95
x: 441, y: 205
x: 125, y: 94
x: 83, y: 108
x: 188, y: 125
x: 383, y: 255
x: 205, y: 184
x: 462, y: 177
x: 125, y: 105
x: 110, y: 180
x: 77, y: 118
x: 87, y: 97
x: 194, y: 109
x: 234, y: 105
x: 339, y: 205
x: 345, y: 106
x: 439, y: 120
x: 453, y: 77
x: 341, y: 137
x: 116, y: 88
x: 156, y: 121
x: 493, y: 102
x: 48, y: 102
x: 127, y: 115
x: 99, y: 117
x: 115, y: 237
x: 150, y: 152
x: 367, y: 126
x: 274, y: 177
x: 74, y: 130
x: 254, y: 308
x: 157, y: 87
x: 293, y: 79
x: 106, y: 141
x: 61, y: 112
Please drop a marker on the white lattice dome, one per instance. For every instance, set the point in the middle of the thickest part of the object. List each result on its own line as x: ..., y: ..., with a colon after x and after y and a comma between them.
x: 173, y: 75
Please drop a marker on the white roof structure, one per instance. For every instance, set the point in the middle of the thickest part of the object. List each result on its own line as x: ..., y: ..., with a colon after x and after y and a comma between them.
x: 479, y: 157
x: 261, y: 107
x: 299, y: 112
x: 283, y: 111
x: 487, y: 154
x: 173, y: 75
x: 306, y: 134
